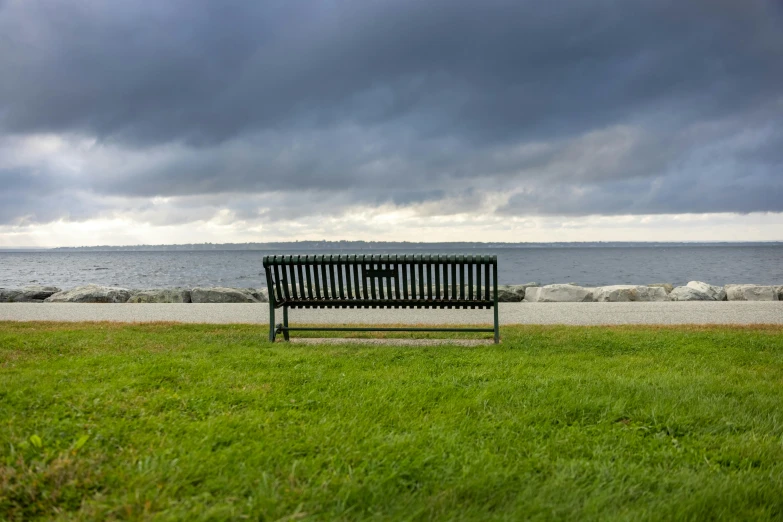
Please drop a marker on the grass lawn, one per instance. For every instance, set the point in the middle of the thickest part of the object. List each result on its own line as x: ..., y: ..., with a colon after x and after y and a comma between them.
x: 169, y: 421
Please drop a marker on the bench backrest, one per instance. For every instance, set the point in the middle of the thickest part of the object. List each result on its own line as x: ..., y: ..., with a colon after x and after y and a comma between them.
x: 460, y: 281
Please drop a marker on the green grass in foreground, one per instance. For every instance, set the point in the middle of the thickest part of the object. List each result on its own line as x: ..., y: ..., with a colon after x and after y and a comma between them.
x: 212, y: 422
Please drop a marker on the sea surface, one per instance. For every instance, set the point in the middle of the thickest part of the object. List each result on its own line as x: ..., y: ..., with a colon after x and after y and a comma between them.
x: 588, y: 266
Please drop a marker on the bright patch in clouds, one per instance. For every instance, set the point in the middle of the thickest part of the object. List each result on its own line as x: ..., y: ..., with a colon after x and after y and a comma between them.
x: 392, y: 226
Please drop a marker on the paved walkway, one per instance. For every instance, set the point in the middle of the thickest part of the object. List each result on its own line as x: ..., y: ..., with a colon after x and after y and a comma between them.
x: 510, y: 313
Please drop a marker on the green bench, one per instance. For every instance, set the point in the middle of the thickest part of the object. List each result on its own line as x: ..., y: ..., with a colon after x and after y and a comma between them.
x: 380, y: 281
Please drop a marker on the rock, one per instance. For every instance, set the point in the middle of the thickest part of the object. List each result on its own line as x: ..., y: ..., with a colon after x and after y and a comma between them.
x: 686, y: 293
x: 262, y: 294
x: 627, y: 293
x: 715, y: 293
x: 522, y: 289
x: 666, y: 286
x: 91, y: 294
x: 28, y: 294
x: 506, y: 294
x: 39, y: 292
x: 780, y: 293
x: 222, y: 295
x: 698, y: 291
x: 512, y: 293
x: 161, y: 295
x: 9, y: 295
x: 558, y: 294
x: 751, y: 293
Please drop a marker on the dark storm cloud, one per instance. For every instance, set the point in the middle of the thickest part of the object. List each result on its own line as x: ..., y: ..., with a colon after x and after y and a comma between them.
x: 568, y: 104
x: 34, y: 197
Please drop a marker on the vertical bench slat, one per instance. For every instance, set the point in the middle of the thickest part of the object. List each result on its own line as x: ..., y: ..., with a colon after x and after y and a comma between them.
x: 477, y: 288
x: 340, y: 282
x: 292, y: 276
x: 332, y: 277
x: 470, y: 277
x: 276, y: 269
x: 300, y: 275
x: 435, y: 282
x: 446, y: 278
x: 424, y: 279
x: 367, y: 268
x: 379, y: 278
x: 324, y: 279
x: 309, y: 278
x: 404, y: 270
x: 412, y: 276
x: 397, y: 277
x: 363, y: 276
x: 489, y: 283
x: 381, y: 293
x: 422, y: 266
x: 312, y: 273
x: 316, y: 279
x: 428, y: 277
x: 388, y: 281
x: 478, y: 277
x: 474, y: 276
x: 486, y: 279
x: 461, y: 277
x: 291, y: 271
x: 464, y: 279
x: 357, y: 286
x: 495, y: 300
x: 437, y: 278
x: 454, y: 281
x: 453, y: 263
x: 419, y: 277
x: 348, y: 277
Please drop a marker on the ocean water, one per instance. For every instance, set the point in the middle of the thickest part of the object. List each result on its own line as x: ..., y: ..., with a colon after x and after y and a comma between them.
x: 588, y: 266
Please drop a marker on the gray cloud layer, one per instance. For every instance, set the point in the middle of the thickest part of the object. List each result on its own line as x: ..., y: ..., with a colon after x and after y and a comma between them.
x: 568, y: 107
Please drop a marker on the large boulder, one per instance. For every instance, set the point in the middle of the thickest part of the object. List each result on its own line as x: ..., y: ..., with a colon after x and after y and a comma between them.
x: 28, y: 294
x: 262, y: 294
x: 780, y: 292
x: 161, y: 295
x: 627, y: 293
x: 39, y: 292
x: 558, y: 294
x: 686, y: 293
x: 9, y: 295
x: 222, y: 295
x: 751, y: 293
x: 91, y: 294
x: 513, y: 293
x: 715, y: 293
x: 666, y: 286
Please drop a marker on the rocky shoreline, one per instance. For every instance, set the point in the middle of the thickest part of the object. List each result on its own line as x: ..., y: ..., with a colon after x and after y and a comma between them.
x: 528, y: 293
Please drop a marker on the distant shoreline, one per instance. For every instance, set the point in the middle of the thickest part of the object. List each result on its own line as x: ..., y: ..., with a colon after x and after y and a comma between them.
x: 384, y: 245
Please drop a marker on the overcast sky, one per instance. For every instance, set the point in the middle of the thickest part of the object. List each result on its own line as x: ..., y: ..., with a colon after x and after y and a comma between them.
x: 224, y: 121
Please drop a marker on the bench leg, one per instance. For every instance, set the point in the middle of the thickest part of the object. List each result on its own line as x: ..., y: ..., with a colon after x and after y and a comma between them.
x: 497, y: 327
x: 285, y: 323
x: 495, y: 299
x: 272, y: 327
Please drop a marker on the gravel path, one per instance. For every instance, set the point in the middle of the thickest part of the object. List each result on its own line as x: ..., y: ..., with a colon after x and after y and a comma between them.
x: 510, y: 313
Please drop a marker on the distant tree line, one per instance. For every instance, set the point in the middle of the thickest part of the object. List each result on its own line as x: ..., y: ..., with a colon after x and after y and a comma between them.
x: 385, y: 245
